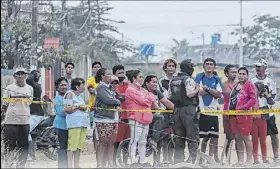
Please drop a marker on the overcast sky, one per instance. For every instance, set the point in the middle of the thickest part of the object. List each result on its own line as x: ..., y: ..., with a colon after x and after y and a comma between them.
x: 159, y: 21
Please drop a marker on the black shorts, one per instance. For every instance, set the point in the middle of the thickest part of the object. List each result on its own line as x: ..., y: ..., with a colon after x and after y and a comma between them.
x: 208, y: 126
x: 271, y: 126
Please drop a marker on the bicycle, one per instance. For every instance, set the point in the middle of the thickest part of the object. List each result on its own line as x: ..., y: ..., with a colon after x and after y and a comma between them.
x: 122, y: 155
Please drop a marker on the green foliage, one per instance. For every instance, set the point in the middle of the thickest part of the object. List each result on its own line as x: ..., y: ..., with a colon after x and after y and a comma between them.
x: 262, y: 40
x: 84, y: 30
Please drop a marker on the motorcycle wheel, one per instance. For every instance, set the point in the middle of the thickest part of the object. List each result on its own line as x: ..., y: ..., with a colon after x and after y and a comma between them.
x: 51, y: 153
x: 122, y: 155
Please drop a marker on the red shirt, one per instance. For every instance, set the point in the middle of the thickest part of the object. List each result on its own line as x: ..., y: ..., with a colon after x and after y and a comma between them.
x: 121, y: 91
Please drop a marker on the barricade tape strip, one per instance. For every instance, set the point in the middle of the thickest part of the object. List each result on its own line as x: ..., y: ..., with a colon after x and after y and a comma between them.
x: 212, y: 112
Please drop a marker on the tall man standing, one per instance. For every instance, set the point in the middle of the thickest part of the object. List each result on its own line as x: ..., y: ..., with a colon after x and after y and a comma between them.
x: 123, y: 126
x: 36, y: 111
x: 92, y: 85
x: 16, y: 120
x: 183, y: 93
x: 210, y: 90
x: 230, y: 72
x: 69, y: 69
x: 270, y: 85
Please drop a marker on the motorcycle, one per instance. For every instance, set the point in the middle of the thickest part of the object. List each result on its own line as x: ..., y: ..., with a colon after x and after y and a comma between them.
x: 45, y: 138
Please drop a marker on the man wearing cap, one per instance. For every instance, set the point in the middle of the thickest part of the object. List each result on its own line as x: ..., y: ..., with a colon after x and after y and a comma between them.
x: 16, y: 120
x: 270, y: 85
x: 184, y: 94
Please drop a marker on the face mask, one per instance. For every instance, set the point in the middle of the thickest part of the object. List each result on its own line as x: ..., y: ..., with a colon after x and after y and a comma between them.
x: 36, y: 79
x: 121, y: 79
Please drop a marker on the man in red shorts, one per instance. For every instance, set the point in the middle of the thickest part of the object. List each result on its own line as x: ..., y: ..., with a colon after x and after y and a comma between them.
x: 123, y: 127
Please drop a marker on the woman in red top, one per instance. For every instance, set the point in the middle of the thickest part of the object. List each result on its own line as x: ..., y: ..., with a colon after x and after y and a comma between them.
x: 259, y: 128
x: 243, y: 97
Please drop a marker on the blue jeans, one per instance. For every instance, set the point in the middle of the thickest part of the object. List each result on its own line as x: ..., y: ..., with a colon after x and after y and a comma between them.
x: 91, y: 117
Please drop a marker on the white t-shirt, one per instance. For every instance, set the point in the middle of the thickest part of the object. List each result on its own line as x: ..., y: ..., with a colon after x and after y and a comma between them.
x: 267, y: 81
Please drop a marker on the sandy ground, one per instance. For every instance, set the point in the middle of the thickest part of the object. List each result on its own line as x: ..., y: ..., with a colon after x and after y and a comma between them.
x: 88, y: 157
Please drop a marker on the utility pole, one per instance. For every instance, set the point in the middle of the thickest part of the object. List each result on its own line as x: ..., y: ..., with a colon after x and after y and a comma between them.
x: 122, y: 44
x: 34, y: 35
x: 64, y: 26
x: 203, y: 51
x: 241, y: 36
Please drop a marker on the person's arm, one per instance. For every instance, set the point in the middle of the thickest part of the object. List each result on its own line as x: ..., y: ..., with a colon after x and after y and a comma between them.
x: 217, y: 93
x: 226, y: 90
x: 167, y: 103
x: 198, y: 79
x: 252, y: 97
x: 137, y: 97
x: 191, y: 88
x: 68, y: 101
x: 5, y: 104
x: 90, y: 86
x: 106, y: 97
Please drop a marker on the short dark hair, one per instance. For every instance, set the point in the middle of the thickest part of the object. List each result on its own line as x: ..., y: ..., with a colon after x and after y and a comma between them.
x: 76, y: 82
x: 132, y: 75
x: 117, y: 67
x: 99, y: 74
x: 59, y: 80
x: 244, y: 68
x: 209, y: 60
x: 148, y: 79
x: 96, y: 63
x: 226, y: 69
x: 69, y: 63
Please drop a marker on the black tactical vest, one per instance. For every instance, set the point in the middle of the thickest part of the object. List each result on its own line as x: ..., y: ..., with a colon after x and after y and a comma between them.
x: 178, y: 92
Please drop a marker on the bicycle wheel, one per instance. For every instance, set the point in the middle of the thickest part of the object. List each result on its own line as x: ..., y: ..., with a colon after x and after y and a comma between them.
x: 123, y: 153
x: 170, y: 151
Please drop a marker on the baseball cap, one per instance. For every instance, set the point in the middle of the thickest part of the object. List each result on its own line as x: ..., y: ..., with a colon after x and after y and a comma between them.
x: 20, y: 69
x: 261, y: 62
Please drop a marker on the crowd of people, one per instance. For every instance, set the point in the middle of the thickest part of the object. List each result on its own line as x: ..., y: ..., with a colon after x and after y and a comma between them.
x: 113, y: 91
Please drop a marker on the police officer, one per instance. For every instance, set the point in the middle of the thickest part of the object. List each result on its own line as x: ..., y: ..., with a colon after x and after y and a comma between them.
x: 184, y: 94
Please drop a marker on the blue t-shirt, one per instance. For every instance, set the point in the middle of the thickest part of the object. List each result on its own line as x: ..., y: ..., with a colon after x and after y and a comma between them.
x: 60, y: 118
x: 209, y: 102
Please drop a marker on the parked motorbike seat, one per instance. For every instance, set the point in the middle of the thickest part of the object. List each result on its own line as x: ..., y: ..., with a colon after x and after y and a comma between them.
x: 47, y: 122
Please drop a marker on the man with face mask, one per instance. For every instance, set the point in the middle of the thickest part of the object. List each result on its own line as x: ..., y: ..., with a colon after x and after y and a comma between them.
x: 184, y: 94
x: 123, y: 127
x: 270, y: 85
x: 36, y: 111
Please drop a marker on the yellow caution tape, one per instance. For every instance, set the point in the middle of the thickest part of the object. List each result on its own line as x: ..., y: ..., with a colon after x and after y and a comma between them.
x: 215, y: 112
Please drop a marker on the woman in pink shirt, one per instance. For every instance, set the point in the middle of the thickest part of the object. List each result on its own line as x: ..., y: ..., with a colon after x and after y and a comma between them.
x: 138, y: 98
x: 243, y: 97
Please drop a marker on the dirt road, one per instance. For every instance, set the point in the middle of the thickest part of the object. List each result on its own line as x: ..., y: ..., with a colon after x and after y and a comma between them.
x: 88, y: 157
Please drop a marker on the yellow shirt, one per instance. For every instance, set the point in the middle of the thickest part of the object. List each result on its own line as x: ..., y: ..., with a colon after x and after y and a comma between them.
x: 91, y: 83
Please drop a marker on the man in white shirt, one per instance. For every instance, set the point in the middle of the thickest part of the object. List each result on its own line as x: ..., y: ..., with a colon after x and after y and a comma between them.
x: 261, y: 66
x: 16, y: 122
